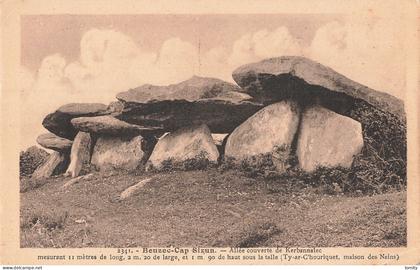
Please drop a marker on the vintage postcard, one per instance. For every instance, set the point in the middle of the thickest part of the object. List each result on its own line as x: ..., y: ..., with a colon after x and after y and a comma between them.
x: 209, y: 132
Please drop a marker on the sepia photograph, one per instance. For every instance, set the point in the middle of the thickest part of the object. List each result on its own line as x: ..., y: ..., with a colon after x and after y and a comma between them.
x: 211, y: 130
x: 195, y: 133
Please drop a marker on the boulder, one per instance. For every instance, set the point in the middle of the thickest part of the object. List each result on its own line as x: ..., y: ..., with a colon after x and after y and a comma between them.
x: 110, y: 125
x: 192, y: 89
x: 270, y: 131
x: 194, y: 142
x: 301, y: 78
x: 59, y: 123
x: 122, y: 153
x: 55, y: 164
x: 327, y: 139
x: 80, y: 154
x: 53, y: 142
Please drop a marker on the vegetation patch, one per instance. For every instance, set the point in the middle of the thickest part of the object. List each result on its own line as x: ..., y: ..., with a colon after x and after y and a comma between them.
x: 30, y: 160
x: 206, y: 208
x: 200, y: 162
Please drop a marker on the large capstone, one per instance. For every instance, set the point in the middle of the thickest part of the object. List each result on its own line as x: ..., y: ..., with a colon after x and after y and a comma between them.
x: 305, y: 80
x: 121, y: 153
x: 270, y: 131
x: 192, y: 89
x: 188, y: 143
x: 327, y: 139
x: 59, y: 123
x: 197, y: 101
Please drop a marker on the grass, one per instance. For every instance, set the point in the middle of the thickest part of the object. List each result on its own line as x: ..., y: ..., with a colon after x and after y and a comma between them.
x: 206, y: 208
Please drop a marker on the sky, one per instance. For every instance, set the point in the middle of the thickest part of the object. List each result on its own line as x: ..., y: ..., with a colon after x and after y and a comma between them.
x: 91, y: 58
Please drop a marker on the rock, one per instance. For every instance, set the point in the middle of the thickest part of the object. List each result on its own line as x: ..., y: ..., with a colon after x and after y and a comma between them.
x: 221, y: 116
x: 122, y: 153
x: 382, y: 116
x: 56, y: 164
x: 31, y: 159
x: 110, y: 125
x: 53, y: 142
x: 218, y: 138
x: 300, y: 78
x: 58, y: 122
x: 193, y: 102
x: 80, y: 154
x: 197, y: 101
x: 194, y: 142
x: 270, y: 131
x: 78, y: 179
x: 327, y: 139
x: 192, y: 89
x: 130, y: 191
x: 115, y: 107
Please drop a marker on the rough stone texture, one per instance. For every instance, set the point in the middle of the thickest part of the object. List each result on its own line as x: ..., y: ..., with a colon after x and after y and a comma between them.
x: 270, y: 131
x: 80, y: 154
x: 220, y: 115
x: 301, y: 78
x: 193, y: 102
x: 59, y: 123
x: 115, y: 107
x: 31, y: 159
x: 110, y: 125
x: 192, y: 89
x: 55, y: 164
x: 382, y: 116
x: 218, y: 138
x: 53, y: 142
x: 183, y: 144
x: 327, y: 139
x: 122, y: 153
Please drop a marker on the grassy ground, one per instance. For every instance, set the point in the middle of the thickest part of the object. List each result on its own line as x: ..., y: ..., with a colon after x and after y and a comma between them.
x: 205, y: 208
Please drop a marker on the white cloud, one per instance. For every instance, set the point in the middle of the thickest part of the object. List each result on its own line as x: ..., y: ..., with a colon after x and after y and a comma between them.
x: 368, y: 51
x: 177, y: 61
x: 264, y: 44
x: 220, y: 62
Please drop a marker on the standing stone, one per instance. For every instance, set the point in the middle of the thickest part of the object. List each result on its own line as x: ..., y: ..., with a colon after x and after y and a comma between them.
x: 123, y: 153
x: 328, y: 139
x: 183, y: 144
x: 80, y: 154
x: 270, y: 131
x: 55, y: 164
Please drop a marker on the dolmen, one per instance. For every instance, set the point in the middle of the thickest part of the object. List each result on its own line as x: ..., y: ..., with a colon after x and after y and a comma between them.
x: 281, y: 107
